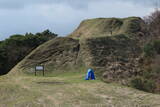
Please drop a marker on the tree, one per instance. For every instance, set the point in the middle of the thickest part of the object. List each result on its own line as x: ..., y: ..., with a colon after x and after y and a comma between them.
x: 153, y: 24
x: 15, y: 48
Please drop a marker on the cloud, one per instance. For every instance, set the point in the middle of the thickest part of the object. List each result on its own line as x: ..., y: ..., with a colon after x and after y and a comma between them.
x: 60, y: 16
x: 16, y: 4
x: 79, y: 4
x: 145, y: 3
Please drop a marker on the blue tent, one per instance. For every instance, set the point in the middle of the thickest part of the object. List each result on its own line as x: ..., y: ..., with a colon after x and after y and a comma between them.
x: 90, y: 75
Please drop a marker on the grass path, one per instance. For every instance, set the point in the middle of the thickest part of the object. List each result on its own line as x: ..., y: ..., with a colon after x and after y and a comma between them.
x: 70, y: 90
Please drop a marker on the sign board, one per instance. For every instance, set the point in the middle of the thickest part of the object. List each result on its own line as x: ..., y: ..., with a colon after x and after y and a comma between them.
x: 39, y: 68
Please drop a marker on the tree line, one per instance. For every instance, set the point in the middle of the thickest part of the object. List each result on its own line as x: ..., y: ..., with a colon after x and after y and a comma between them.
x: 16, y: 47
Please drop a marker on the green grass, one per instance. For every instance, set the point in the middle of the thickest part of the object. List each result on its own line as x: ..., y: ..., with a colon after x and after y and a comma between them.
x: 69, y: 90
x: 102, y: 27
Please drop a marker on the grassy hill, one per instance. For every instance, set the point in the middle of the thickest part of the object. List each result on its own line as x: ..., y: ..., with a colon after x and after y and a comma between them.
x: 101, y: 27
x: 114, y: 54
x: 68, y: 53
x: 113, y: 57
x: 59, y: 54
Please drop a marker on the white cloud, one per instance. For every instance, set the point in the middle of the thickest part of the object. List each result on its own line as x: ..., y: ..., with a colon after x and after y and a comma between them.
x: 16, y: 4
x: 60, y: 16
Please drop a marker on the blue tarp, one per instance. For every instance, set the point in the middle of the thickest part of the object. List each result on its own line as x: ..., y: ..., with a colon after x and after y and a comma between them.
x: 90, y: 75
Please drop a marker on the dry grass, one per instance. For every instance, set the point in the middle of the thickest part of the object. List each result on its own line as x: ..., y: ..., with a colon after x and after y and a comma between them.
x: 69, y: 90
x: 102, y: 27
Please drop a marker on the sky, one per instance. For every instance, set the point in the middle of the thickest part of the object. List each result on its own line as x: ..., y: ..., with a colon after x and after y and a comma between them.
x: 63, y: 16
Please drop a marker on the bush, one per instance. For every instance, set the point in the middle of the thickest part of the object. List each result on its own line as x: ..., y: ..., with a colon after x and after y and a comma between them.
x: 149, y: 85
x: 152, y: 48
x: 156, y: 45
x: 137, y: 83
x: 141, y: 83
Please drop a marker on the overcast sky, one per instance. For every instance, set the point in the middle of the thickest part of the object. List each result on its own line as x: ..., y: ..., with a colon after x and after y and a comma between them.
x: 63, y: 16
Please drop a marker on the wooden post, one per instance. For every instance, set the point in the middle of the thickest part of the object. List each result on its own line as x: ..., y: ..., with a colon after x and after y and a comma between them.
x: 35, y: 71
x: 43, y: 70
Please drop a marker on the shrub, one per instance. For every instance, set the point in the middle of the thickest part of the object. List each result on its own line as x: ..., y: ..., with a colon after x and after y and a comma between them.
x: 152, y: 48
x: 137, y: 83
x: 149, y: 85
x: 156, y: 45
x: 144, y: 84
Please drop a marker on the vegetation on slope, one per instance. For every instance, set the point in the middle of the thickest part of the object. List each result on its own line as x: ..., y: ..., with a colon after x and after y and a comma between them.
x: 149, y: 79
x: 101, y: 27
x: 15, y: 48
x: 116, y: 58
x: 58, y: 54
x: 113, y: 57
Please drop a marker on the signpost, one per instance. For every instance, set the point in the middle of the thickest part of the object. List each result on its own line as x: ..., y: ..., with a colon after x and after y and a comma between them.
x: 39, y: 68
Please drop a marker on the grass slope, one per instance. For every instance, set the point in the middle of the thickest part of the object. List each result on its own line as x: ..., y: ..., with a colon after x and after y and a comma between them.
x: 96, y: 50
x: 67, y: 89
x: 100, y: 27
x: 58, y: 54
